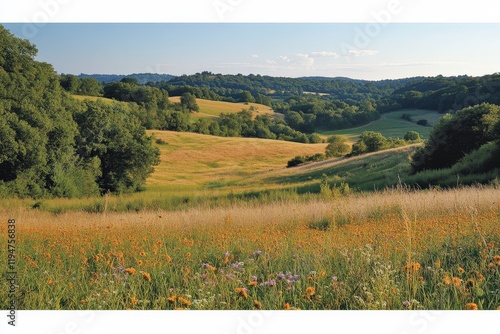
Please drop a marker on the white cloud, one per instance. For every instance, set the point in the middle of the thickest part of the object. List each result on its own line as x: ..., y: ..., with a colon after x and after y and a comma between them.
x: 284, y: 58
x: 361, y: 53
x: 305, y: 60
x: 325, y: 54
x: 271, y: 62
x: 255, y: 56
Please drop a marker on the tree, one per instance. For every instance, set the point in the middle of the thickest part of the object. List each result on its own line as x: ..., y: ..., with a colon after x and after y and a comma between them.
x: 188, y: 101
x: 337, y: 146
x: 456, y: 135
x: 412, y: 136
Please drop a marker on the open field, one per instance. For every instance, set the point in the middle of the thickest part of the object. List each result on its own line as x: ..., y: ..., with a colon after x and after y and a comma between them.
x: 391, y: 125
x: 93, y: 98
x: 212, y: 109
x: 393, y: 250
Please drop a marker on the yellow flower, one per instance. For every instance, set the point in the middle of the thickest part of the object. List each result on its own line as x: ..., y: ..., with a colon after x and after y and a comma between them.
x: 438, y: 263
x: 139, y: 263
x: 50, y: 281
x: 287, y: 306
x: 447, y: 280
x: 134, y: 300
x: 461, y: 270
x: 253, y: 283
x: 496, y: 259
x: 130, y: 271
x: 146, y: 276
x: 172, y: 299
x: 257, y: 304
x: 471, y: 306
x: 143, y: 253
x: 242, y: 292
x: 168, y: 259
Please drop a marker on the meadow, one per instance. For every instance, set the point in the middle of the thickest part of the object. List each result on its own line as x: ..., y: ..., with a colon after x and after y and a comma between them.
x: 392, y: 125
x: 224, y: 225
x: 212, y: 109
x: 397, y: 249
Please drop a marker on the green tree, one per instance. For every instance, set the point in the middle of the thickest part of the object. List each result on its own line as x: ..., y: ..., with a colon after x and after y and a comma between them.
x: 412, y: 136
x: 188, y: 101
x: 337, y: 146
x: 456, y: 135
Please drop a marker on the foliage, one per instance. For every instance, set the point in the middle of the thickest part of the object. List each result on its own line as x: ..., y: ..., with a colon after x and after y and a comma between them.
x: 188, y: 101
x: 53, y: 145
x: 458, y: 134
x: 337, y: 146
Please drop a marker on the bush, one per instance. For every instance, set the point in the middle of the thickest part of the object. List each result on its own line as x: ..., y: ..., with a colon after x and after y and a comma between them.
x: 337, y: 146
x: 298, y: 160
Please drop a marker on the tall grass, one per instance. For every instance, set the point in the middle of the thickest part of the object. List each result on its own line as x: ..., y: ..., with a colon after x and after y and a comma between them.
x: 396, y: 249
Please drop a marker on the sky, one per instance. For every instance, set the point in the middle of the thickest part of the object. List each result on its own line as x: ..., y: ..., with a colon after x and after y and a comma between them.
x: 371, y: 51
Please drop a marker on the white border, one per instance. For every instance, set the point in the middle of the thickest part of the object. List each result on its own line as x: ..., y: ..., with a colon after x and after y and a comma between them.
x: 244, y: 11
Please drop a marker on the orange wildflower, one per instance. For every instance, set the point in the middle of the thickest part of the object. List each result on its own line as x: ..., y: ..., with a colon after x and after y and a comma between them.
x: 130, y: 271
x: 496, y: 259
x: 146, y: 276
x: 456, y: 281
x: 168, y: 259
x: 242, y: 292
x: 134, y: 300
x: 471, y: 306
x: 172, y: 299
x: 310, y: 292
x: 253, y: 283
x: 184, y: 301
x: 257, y: 304
x: 461, y: 270
x: 139, y: 263
x: 412, y: 267
x: 447, y: 280
x: 287, y: 306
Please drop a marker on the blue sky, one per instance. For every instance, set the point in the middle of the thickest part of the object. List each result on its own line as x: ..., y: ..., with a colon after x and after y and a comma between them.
x: 358, y: 50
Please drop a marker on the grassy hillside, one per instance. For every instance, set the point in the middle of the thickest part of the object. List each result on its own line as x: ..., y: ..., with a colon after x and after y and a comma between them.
x: 212, y: 109
x: 93, y: 98
x: 391, y: 124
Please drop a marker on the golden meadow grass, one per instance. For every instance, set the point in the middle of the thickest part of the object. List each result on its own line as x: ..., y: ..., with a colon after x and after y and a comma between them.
x: 396, y: 249
x: 212, y: 109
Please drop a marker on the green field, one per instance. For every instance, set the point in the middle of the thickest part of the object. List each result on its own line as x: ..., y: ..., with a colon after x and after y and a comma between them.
x: 391, y: 124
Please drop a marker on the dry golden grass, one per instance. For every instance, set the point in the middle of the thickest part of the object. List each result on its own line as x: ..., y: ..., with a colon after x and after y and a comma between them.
x: 215, y: 108
x: 195, y: 159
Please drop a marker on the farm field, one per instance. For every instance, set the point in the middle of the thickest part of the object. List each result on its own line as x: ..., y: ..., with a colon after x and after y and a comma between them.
x: 391, y: 124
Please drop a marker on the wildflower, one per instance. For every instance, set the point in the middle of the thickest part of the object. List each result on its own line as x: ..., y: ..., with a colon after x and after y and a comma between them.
x: 242, y: 292
x: 252, y: 283
x: 447, y: 280
x: 456, y: 281
x: 335, y: 278
x: 130, y: 271
x: 412, y: 267
x: 257, y: 304
x: 254, y: 278
x: 496, y: 259
x: 184, y: 301
x: 471, y: 306
x: 406, y: 303
x: 270, y: 283
x: 50, y: 281
x: 168, y: 259
x: 146, y: 276
x: 287, y: 306
x: 257, y: 253
x: 438, y: 263
x: 172, y: 299
x: 83, y: 301
x: 139, y: 263
x: 461, y: 270
x: 310, y: 292
x: 70, y: 284
x: 134, y: 301
x: 143, y: 253
x: 280, y: 276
